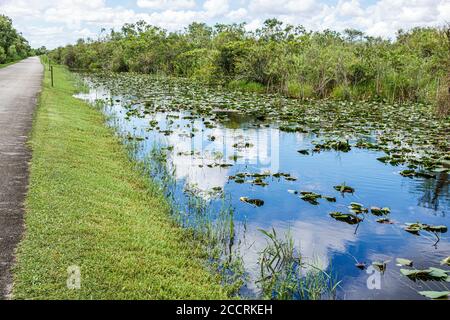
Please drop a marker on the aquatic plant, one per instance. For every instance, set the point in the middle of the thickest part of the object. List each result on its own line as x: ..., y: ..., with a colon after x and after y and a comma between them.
x: 285, y: 275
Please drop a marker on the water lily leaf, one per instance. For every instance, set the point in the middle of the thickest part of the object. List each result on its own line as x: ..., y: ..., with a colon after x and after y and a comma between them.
x: 435, y: 294
x: 446, y: 261
x: 380, y: 266
x: 356, y: 205
x: 404, y: 262
x: 357, y: 208
x: 385, y: 221
x: 413, y: 229
x: 415, y: 274
x: 416, y: 227
x: 343, y: 188
x: 360, y: 265
x: 255, y: 202
x: 379, y: 211
x: 426, y: 274
x: 441, y: 169
x: 441, y: 229
x: 310, y: 197
x: 408, y: 173
x: 438, y: 273
x: 346, y: 217
x: 303, y: 151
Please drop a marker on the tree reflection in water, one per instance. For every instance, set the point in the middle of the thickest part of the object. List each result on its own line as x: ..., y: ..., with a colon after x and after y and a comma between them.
x: 434, y: 190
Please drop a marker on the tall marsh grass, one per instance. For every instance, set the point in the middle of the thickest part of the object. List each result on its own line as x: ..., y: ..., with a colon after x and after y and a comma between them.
x: 286, y: 275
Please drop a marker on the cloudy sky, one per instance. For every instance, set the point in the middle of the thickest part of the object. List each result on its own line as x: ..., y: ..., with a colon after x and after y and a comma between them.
x: 58, y: 22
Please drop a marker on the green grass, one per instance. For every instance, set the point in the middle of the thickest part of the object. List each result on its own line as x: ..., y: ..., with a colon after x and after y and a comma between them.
x: 88, y: 206
x: 247, y: 86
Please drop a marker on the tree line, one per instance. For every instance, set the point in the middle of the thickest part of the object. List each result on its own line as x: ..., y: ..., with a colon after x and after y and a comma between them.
x: 13, y: 46
x: 278, y: 57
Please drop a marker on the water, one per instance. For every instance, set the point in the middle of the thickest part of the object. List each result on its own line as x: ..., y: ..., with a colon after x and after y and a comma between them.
x: 332, y: 244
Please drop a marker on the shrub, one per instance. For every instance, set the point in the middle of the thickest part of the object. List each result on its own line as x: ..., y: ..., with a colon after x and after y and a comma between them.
x: 300, y: 90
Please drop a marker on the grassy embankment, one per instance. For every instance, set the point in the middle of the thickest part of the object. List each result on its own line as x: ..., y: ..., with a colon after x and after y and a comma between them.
x: 88, y: 206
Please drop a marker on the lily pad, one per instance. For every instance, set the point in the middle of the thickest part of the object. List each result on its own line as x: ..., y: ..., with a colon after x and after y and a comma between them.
x: 380, y: 265
x: 404, y: 262
x: 446, y: 261
x: 416, y: 227
x: 346, y: 217
x: 426, y: 274
x: 360, y: 265
x: 344, y: 188
x: 357, y: 208
x: 435, y: 294
x: 310, y: 197
x: 384, y: 221
x: 379, y: 211
x: 255, y: 202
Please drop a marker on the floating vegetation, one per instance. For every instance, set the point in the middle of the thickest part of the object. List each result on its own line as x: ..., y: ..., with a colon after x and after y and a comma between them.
x: 292, y: 129
x: 380, y: 211
x: 416, y: 227
x: 435, y: 294
x: 303, y: 151
x: 344, y: 188
x: 408, y: 134
x: 338, y: 145
x: 310, y: 197
x: 412, y: 173
x: 346, y: 217
x: 361, y: 265
x: 426, y: 274
x: 255, y: 202
x: 380, y: 265
x: 404, y: 262
x: 446, y: 261
x: 384, y: 221
x: 357, y: 208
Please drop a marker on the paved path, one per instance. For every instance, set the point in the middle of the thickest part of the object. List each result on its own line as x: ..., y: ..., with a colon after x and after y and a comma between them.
x: 20, y: 84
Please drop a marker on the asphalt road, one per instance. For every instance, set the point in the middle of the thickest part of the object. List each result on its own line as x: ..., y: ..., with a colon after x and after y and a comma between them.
x: 20, y: 84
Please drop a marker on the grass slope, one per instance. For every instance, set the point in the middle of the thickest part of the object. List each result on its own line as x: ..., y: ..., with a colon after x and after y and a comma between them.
x: 87, y: 206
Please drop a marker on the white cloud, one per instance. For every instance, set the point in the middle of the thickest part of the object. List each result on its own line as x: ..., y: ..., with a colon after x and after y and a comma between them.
x: 238, y: 15
x: 350, y: 8
x: 166, y: 4
x: 174, y: 20
x: 286, y: 7
x: 216, y: 7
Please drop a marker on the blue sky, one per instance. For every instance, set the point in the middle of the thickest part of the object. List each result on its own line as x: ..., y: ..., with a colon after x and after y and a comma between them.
x: 58, y: 22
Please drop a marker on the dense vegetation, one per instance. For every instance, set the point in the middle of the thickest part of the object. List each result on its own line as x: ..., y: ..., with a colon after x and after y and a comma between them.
x: 278, y: 57
x: 13, y: 46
